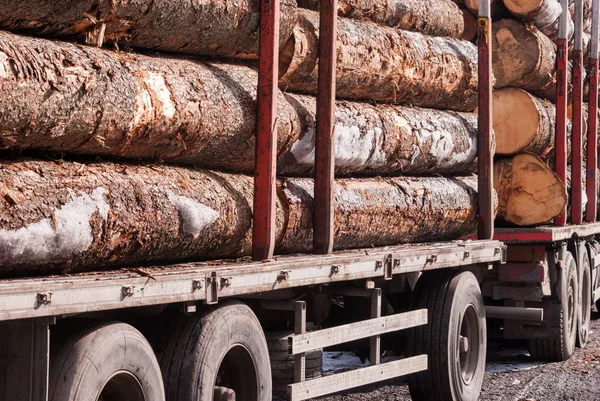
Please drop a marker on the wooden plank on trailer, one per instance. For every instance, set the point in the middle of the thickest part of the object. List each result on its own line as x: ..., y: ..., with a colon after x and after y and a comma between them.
x: 356, y: 378
x: 356, y: 331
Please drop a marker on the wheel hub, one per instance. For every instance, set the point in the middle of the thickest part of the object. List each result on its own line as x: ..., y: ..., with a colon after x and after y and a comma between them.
x: 468, y: 344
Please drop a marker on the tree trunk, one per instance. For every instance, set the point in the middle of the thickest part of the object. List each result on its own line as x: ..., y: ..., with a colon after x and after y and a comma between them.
x: 497, y: 9
x: 523, y: 123
x: 545, y: 14
x: 523, y: 57
x: 529, y: 193
x: 227, y: 28
x: 470, y: 23
x: 431, y: 17
x: 68, y: 98
x: 70, y: 217
x: 385, y: 64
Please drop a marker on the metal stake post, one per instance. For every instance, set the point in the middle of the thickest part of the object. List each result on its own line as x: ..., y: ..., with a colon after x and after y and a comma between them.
x: 485, y: 143
x: 576, y: 134
x: 263, y: 227
x: 323, y: 219
x: 591, y: 210
x: 560, y: 164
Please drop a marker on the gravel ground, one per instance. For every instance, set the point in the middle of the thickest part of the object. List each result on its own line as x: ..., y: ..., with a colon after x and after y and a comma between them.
x: 513, y: 376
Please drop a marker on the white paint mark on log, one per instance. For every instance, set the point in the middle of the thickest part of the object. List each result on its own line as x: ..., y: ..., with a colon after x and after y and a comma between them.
x: 65, y: 234
x: 156, y: 83
x: 353, y: 147
x: 194, y: 216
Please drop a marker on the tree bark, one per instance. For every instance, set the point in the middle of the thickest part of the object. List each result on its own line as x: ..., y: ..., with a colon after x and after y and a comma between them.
x: 430, y: 17
x: 61, y: 217
x: 545, y: 14
x: 226, y: 28
x: 470, y: 23
x: 523, y: 57
x: 69, y: 98
x: 385, y: 64
x: 529, y: 192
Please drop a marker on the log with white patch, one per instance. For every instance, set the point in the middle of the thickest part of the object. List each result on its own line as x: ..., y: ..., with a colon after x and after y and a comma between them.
x: 384, y: 64
x: 226, y: 28
x: 71, y: 217
x: 68, y: 98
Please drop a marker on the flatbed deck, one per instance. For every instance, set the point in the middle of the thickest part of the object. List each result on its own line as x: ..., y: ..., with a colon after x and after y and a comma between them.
x: 208, y: 281
x: 520, y: 235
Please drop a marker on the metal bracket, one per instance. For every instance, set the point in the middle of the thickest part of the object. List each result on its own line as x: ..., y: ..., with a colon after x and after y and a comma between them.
x: 212, y: 289
x: 388, y: 266
x: 127, y: 291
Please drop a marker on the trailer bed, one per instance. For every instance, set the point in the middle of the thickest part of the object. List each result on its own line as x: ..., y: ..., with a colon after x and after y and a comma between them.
x: 530, y: 235
x: 208, y: 281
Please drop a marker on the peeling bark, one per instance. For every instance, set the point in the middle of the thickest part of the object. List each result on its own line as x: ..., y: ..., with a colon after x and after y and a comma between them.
x: 59, y: 217
x: 431, y: 17
x: 226, y: 28
x: 529, y: 192
x: 69, y: 98
x: 385, y: 64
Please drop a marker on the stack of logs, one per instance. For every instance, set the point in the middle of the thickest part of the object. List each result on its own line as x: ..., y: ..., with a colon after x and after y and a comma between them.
x: 114, y: 157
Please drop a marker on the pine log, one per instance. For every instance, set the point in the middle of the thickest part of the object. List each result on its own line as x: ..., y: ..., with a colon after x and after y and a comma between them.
x: 470, y: 23
x: 384, y: 64
x: 545, y: 15
x: 529, y: 192
x: 70, y: 98
x: 431, y: 17
x: 70, y: 217
x: 523, y: 57
x: 227, y: 28
x: 523, y: 122
x: 497, y: 8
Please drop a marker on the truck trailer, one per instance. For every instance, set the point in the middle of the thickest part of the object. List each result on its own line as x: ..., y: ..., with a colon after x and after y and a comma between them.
x: 249, y: 328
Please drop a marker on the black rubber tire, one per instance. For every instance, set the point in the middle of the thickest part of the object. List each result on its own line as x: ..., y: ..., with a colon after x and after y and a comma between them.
x: 562, y: 345
x: 282, y: 363
x: 448, y: 296
x: 224, y: 343
x: 585, y: 297
x: 111, y: 360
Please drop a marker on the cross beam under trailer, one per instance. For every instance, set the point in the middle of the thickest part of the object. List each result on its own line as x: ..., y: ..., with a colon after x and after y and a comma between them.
x: 207, y: 282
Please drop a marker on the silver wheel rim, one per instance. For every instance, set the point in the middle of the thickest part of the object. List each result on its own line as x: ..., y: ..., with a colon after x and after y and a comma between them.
x: 468, y: 344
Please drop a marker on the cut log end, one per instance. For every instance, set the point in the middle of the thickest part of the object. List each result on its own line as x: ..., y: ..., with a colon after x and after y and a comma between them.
x: 523, y: 7
x: 530, y: 193
x: 470, y: 22
x: 517, y: 118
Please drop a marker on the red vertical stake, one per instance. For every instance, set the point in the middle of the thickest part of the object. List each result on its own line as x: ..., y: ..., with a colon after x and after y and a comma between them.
x: 323, y: 218
x: 591, y: 210
x: 576, y: 136
x: 577, y: 132
x: 484, y: 138
x: 560, y: 139
x: 263, y: 228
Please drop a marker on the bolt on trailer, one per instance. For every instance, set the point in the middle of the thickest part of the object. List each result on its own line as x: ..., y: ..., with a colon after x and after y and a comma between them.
x: 246, y: 330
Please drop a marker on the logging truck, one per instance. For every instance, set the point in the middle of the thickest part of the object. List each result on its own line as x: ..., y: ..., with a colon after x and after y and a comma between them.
x: 248, y: 329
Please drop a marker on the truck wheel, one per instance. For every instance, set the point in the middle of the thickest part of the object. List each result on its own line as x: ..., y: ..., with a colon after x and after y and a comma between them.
x: 561, y: 346
x: 454, y: 339
x: 212, y: 355
x: 585, y: 302
x: 107, y: 362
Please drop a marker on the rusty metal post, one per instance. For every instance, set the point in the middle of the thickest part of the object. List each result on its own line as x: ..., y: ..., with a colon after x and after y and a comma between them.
x: 263, y: 227
x: 484, y: 138
x: 591, y: 182
x: 562, y: 57
x: 323, y: 219
x: 577, y: 131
